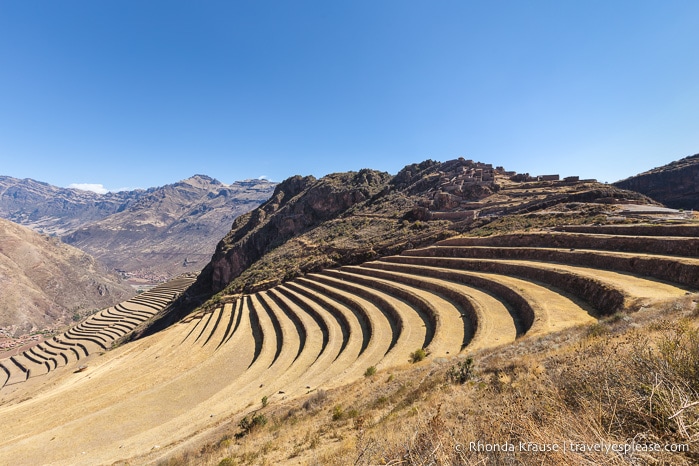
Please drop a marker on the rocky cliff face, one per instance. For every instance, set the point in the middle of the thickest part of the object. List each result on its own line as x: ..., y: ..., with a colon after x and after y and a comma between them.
x: 44, y: 282
x: 297, y: 205
x: 675, y: 185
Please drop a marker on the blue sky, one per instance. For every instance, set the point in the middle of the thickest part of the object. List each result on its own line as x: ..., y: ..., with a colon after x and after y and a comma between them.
x: 144, y: 93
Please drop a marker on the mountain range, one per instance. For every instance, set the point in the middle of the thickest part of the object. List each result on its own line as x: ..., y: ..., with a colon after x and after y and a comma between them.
x: 150, y: 234
x: 301, y: 225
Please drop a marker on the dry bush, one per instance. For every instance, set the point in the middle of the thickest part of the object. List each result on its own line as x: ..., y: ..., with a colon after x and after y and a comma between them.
x: 316, y: 400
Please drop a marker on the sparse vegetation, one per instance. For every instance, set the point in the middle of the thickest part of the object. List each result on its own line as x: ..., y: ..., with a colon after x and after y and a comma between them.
x: 316, y: 400
x: 639, y: 384
x: 338, y: 412
x: 461, y: 371
x: 598, y: 329
x: 418, y: 355
x: 370, y: 371
x: 249, y: 424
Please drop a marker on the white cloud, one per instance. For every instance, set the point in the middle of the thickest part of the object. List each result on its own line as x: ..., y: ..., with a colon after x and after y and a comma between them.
x: 94, y: 187
x: 263, y: 177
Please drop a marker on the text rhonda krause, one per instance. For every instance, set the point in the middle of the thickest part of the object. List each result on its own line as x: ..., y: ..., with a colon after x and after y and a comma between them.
x: 571, y: 446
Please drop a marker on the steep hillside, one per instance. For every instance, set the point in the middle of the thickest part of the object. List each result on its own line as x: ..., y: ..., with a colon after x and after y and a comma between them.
x: 149, y: 234
x: 298, y: 204
x: 675, y: 184
x: 172, y: 229
x: 44, y: 283
x: 309, y: 225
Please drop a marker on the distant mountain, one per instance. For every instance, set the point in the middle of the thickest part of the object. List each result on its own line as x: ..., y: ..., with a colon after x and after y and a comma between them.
x: 676, y: 184
x: 44, y: 282
x: 56, y: 211
x: 152, y: 234
x: 172, y: 229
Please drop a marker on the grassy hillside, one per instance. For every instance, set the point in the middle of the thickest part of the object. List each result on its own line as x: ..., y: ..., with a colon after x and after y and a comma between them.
x: 629, y: 381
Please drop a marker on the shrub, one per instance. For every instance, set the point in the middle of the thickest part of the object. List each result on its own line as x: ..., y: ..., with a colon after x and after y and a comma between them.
x: 597, y: 329
x: 224, y: 442
x: 227, y: 462
x: 316, y: 400
x: 249, y: 424
x: 265, y: 401
x: 616, y: 317
x: 678, y: 353
x: 338, y: 412
x: 380, y: 401
x: 460, y: 372
x: 371, y: 370
x: 418, y: 355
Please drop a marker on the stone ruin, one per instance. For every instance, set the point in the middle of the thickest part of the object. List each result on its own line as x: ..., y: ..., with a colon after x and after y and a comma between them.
x: 461, y: 182
x: 526, y: 177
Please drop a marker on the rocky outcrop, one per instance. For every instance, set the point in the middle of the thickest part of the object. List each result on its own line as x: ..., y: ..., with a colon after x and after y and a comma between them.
x: 676, y: 185
x: 297, y: 205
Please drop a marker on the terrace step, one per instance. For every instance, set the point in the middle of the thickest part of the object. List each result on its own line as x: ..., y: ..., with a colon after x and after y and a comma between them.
x: 661, y: 245
x: 263, y: 333
x: 540, y: 308
x: 441, y: 318
x: 233, y: 321
x: 408, y: 328
x: 33, y: 365
x: 14, y: 372
x: 688, y: 231
x: 483, y: 316
x: 680, y: 270
x: 606, y: 291
x: 379, y: 336
x: 356, y: 328
x: 298, y: 343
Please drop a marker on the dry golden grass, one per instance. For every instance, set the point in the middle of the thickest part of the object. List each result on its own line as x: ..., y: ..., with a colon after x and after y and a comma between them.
x: 628, y: 380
